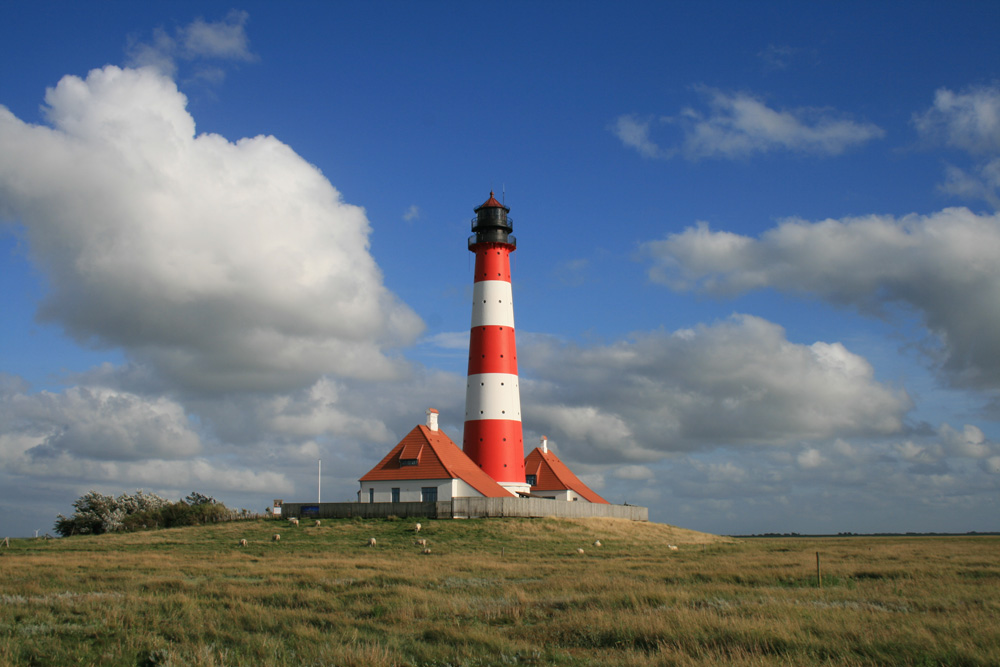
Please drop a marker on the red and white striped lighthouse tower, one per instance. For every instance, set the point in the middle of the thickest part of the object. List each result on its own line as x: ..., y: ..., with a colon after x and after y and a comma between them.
x: 493, y: 437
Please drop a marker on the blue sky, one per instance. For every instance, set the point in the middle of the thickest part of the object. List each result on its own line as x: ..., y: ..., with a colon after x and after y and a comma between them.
x: 755, y: 286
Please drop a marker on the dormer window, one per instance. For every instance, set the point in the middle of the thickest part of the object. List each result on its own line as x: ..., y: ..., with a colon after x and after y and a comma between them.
x: 408, y: 462
x: 532, y: 480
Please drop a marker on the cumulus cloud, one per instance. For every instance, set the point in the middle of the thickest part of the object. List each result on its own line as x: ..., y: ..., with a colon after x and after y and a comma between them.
x: 99, y: 435
x: 224, y: 266
x: 738, y: 125
x: 320, y: 410
x: 736, y: 382
x: 827, y: 486
x: 100, y: 423
x: 969, y: 122
x: 942, y: 266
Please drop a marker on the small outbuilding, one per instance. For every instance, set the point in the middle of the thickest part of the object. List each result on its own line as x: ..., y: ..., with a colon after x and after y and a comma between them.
x: 551, y: 478
x: 427, y: 466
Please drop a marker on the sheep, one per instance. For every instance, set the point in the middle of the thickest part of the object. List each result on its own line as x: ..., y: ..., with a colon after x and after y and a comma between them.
x: 293, y: 521
x: 421, y: 543
x: 317, y: 523
x: 276, y: 537
x: 672, y: 547
x: 580, y: 551
x: 371, y: 541
x: 243, y: 542
x: 597, y: 543
x: 426, y: 551
x: 416, y: 528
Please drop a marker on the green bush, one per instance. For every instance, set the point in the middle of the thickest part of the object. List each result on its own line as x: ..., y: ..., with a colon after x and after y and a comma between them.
x: 97, y: 513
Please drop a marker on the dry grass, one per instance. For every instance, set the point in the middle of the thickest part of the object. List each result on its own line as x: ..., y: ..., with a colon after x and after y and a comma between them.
x: 496, y: 592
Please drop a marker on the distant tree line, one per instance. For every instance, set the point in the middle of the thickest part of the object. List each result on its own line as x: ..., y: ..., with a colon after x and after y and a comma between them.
x: 97, y: 513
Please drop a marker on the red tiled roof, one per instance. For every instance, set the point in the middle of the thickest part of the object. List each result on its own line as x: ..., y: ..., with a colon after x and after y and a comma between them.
x: 551, y: 474
x: 437, y: 458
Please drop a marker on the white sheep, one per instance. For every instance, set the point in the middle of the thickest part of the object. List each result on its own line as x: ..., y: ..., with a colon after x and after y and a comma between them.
x: 317, y: 523
x: 276, y: 537
x: 579, y: 551
x: 421, y: 543
x: 371, y: 541
x: 243, y: 542
x: 672, y: 547
x: 426, y: 551
x: 597, y: 543
x: 293, y: 521
x: 416, y: 528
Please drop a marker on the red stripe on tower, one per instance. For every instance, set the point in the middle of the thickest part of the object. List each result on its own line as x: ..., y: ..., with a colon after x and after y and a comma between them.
x: 493, y: 438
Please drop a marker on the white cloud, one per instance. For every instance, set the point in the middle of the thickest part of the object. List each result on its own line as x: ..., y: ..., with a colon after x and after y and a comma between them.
x: 738, y: 125
x: 970, y: 442
x: 942, y: 266
x: 867, y: 484
x: 412, y: 213
x: 633, y: 131
x: 982, y: 182
x: 321, y: 410
x: 811, y: 458
x: 99, y: 423
x: 733, y: 383
x: 225, y: 39
x: 199, y: 40
x: 969, y: 121
x: 202, y: 258
x: 633, y: 472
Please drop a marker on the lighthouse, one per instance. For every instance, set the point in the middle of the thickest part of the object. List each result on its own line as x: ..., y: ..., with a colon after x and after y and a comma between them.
x: 493, y: 437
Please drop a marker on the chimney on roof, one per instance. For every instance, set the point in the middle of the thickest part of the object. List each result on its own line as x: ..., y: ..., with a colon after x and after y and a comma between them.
x: 545, y: 445
x: 432, y: 419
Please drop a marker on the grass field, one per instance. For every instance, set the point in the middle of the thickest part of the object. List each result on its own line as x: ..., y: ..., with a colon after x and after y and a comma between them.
x: 496, y: 592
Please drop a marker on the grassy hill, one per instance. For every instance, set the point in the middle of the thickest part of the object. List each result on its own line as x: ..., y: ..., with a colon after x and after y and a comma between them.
x: 495, y: 592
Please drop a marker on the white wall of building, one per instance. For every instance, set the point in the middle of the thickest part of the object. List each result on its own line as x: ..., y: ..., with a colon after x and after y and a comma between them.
x: 410, y: 490
x: 557, y: 495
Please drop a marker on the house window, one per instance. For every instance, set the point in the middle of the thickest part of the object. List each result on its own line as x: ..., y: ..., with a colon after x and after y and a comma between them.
x: 408, y: 462
x: 371, y: 495
x: 428, y: 494
x: 532, y: 480
x: 395, y: 495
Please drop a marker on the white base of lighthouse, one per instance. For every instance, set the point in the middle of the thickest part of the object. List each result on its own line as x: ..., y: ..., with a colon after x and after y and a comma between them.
x: 516, y: 487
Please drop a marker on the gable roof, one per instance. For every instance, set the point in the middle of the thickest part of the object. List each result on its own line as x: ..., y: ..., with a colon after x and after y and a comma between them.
x: 551, y: 474
x: 437, y: 458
